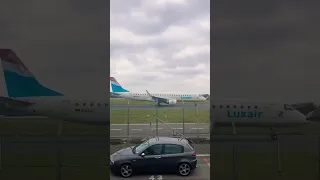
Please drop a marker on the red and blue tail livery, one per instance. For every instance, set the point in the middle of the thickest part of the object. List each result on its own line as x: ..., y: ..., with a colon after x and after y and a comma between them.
x: 20, y: 82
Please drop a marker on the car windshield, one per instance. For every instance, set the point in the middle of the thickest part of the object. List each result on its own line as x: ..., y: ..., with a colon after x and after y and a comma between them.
x: 141, y: 147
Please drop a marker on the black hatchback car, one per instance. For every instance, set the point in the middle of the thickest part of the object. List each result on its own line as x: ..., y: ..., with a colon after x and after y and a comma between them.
x: 160, y: 154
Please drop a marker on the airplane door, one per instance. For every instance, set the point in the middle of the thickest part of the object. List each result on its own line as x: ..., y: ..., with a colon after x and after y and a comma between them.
x: 65, y: 107
x: 274, y: 111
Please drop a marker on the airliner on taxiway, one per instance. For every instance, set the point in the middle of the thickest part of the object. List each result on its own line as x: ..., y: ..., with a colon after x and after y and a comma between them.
x: 159, y: 98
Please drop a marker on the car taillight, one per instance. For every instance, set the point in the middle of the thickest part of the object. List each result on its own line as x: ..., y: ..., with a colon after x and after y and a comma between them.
x: 194, y: 154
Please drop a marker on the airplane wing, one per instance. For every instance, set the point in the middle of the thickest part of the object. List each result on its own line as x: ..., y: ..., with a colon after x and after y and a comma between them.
x: 162, y: 100
x: 13, y: 102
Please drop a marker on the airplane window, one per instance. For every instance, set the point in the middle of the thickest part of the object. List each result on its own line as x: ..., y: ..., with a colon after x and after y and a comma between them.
x: 234, y: 106
x: 105, y: 104
x: 84, y: 104
x: 98, y: 104
x: 248, y: 107
x: 256, y: 107
x: 213, y: 106
x: 228, y: 106
x: 77, y: 104
x: 220, y: 106
x: 241, y: 107
x: 91, y: 104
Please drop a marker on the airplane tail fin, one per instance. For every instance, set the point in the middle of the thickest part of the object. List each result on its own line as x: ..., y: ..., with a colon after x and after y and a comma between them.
x: 20, y: 82
x: 116, y: 87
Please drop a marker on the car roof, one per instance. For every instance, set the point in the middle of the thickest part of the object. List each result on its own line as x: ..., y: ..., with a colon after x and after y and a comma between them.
x: 167, y: 140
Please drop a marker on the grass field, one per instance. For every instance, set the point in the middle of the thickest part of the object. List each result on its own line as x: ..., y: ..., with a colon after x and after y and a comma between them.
x: 49, y: 127
x: 118, y: 101
x: 146, y: 115
x: 39, y: 167
x: 167, y: 115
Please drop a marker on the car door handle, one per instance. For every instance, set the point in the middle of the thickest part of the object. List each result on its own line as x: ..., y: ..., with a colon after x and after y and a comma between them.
x: 158, y: 157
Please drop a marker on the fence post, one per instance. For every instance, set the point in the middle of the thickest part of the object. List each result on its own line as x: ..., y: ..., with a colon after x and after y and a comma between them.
x: 183, y: 121
x: 198, y: 122
x: 235, y: 161
x: 279, y: 171
x: 1, y: 156
x: 157, y: 122
x: 318, y: 155
x: 128, y: 124
x: 58, y: 155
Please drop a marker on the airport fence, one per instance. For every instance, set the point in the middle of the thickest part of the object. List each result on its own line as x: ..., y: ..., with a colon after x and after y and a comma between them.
x: 136, y: 123
x: 54, y: 159
x: 288, y: 157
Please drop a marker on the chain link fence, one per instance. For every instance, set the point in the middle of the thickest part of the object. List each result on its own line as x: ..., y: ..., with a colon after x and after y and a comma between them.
x: 54, y: 159
x: 289, y: 157
x: 136, y: 123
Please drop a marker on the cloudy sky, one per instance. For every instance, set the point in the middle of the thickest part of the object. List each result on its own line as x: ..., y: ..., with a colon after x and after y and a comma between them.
x: 161, y: 45
x: 64, y: 43
x: 266, y: 49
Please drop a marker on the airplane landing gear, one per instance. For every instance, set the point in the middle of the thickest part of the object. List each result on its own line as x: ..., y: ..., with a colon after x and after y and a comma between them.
x: 274, y: 134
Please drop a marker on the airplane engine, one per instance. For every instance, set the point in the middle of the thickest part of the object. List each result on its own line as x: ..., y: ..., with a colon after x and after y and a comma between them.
x: 172, y: 101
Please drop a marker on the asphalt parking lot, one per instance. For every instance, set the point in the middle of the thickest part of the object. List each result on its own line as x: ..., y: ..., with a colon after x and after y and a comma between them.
x: 202, y: 172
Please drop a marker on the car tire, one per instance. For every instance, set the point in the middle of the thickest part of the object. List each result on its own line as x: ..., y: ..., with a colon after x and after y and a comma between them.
x: 126, y: 170
x: 184, y: 169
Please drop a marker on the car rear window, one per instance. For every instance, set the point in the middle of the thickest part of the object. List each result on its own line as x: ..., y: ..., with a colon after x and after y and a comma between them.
x: 173, y: 149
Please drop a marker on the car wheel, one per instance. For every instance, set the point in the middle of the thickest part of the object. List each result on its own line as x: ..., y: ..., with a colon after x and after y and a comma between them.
x: 184, y: 169
x: 126, y: 170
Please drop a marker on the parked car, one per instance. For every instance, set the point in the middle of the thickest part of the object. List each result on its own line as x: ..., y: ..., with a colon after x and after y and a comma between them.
x: 160, y: 154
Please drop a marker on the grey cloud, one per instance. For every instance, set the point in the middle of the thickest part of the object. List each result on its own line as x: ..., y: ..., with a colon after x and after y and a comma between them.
x: 65, y: 43
x: 268, y: 51
x: 174, y: 14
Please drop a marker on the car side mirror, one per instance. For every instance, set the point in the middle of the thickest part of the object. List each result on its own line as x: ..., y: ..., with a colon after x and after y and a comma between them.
x: 142, y: 154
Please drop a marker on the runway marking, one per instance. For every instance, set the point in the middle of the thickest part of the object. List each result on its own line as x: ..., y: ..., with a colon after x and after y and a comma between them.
x: 177, y: 128
x: 156, y: 128
x: 136, y: 129
x: 196, y: 128
x: 206, y: 161
x: 203, y: 155
x: 115, y: 129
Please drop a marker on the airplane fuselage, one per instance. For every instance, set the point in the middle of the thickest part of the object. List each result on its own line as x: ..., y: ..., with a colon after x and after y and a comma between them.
x: 255, y: 114
x: 69, y: 109
x: 191, y: 97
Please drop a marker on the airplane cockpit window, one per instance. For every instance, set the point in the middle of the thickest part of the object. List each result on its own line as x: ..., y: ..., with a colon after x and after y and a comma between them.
x: 288, y: 107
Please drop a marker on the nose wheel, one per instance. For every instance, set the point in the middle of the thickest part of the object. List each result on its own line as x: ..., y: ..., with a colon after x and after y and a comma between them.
x: 274, y: 134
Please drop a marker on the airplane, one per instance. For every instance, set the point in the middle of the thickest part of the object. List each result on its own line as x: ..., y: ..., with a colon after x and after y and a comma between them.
x: 159, y: 98
x: 252, y: 113
x: 26, y: 94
